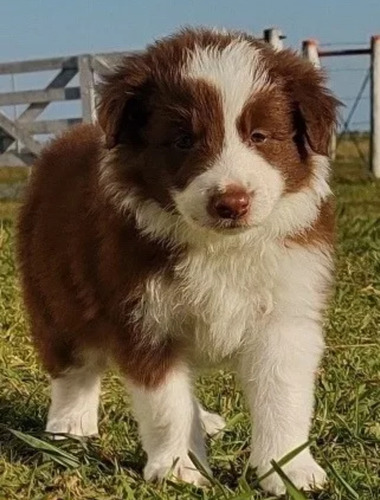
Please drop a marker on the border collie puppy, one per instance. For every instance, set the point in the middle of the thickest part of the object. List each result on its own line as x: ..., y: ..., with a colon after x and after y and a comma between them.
x: 190, y: 228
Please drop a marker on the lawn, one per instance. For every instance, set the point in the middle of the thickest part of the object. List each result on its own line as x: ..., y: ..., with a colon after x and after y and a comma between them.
x: 346, y: 429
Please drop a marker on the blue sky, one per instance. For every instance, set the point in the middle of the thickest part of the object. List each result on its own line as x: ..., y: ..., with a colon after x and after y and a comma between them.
x: 45, y: 28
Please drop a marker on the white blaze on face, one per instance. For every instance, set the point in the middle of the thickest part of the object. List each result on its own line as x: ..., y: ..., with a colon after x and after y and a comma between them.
x: 237, y: 73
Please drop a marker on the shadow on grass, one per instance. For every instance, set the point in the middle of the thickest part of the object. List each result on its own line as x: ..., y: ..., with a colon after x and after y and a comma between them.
x: 30, y: 420
x: 14, y: 414
x: 24, y: 415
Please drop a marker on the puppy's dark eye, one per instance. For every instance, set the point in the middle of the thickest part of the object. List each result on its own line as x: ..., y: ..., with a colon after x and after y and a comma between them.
x: 184, y: 142
x: 258, y: 137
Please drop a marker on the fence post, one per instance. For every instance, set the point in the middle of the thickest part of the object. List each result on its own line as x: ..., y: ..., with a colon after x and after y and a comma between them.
x: 87, y: 88
x: 274, y: 37
x: 375, y: 106
x: 310, y: 52
x: 332, y: 146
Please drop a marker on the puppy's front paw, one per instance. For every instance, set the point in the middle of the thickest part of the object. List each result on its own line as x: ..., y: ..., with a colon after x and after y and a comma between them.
x: 183, y: 470
x: 304, y: 472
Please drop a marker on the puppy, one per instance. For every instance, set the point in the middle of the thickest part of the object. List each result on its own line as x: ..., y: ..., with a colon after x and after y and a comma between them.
x: 192, y: 227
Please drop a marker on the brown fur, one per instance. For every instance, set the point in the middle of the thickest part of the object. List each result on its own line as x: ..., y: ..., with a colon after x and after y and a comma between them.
x: 84, y: 264
x: 314, y: 107
x: 80, y: 261
x: 270, y: 112
x: 299, y: 112
x: 193, y: 109
x: 321, y: 233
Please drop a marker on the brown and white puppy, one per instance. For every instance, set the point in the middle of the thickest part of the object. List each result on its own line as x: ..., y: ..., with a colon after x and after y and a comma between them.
x: 193, y: 227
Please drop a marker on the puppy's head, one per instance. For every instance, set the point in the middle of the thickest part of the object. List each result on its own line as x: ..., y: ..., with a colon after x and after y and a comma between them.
x: 215, y: 128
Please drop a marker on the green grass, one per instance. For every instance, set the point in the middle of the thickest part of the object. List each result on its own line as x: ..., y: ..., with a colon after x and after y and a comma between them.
x: 346, y: 429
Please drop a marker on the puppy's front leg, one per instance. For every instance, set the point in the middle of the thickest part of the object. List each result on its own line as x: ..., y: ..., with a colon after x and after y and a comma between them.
x: 170, y: 426
x: 278, y: 372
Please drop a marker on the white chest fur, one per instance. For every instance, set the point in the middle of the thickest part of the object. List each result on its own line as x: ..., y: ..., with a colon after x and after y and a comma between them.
x: 220, y: 296
x: 217, y: 294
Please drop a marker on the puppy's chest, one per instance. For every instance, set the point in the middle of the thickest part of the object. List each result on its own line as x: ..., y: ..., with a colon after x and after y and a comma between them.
x: 212, y: 301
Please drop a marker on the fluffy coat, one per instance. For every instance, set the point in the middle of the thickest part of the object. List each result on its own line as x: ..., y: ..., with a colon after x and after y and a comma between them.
x: 191, y: 228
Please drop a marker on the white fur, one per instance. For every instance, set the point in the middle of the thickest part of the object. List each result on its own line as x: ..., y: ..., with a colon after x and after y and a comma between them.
x: 170, y: 426
x: 239, y: 166
x: 212, y: 423
x: 237, y: 73
x: 249, y: 300
x: 259, y: 308
x: 278, y: 368
x: 293, y: 212
x: 246, y: 299
x: 74, y: 402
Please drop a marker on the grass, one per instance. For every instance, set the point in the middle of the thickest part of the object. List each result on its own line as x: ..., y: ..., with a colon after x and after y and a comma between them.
x: 346, y: 429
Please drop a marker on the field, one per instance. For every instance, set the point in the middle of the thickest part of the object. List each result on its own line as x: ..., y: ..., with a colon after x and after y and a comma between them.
x: 346, y: 429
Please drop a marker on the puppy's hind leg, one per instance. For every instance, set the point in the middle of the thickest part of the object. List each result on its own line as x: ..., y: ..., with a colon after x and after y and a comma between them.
x: 75, y: 400
x: 212, y: 423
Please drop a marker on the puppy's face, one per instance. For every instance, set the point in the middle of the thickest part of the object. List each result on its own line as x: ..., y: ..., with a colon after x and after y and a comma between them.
x: 217, y: 128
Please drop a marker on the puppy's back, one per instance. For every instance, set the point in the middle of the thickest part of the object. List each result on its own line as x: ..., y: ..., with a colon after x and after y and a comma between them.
x: 66, y: 159
x: 54, y: 230
x: 59, y: 186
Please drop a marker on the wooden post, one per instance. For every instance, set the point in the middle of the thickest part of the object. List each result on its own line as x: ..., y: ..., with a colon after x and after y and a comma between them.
x: 274, y: 37
x: 375, y: 106
x: 25, y: 127
x: 16, y: 131
x: 332, y: 147
x: 310, y: 51
x: 87, y: 88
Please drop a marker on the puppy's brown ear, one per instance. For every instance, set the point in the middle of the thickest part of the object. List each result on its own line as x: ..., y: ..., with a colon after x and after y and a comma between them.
x: 122, y: 97
x: 315, y: 108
